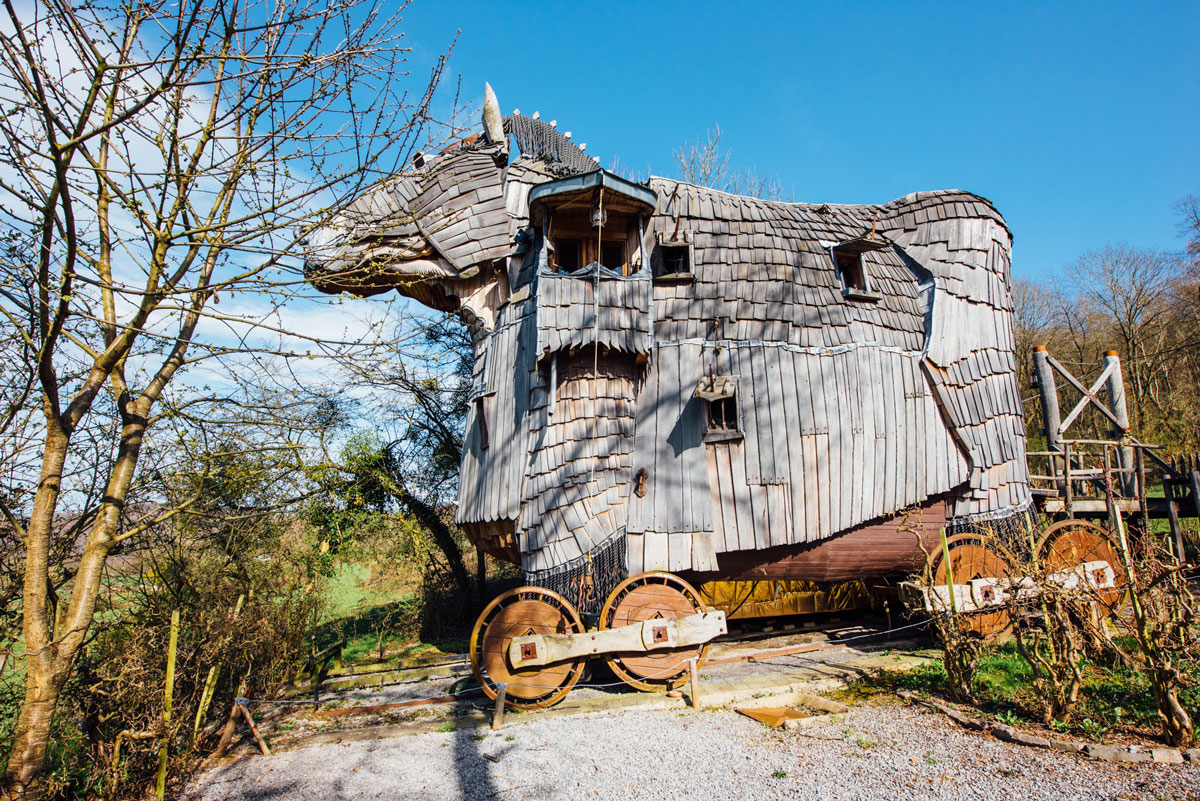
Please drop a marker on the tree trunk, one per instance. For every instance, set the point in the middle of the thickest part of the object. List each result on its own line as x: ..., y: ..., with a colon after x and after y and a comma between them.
x: 28, y: 756
x: 51, y: 645
x: 431, y: 520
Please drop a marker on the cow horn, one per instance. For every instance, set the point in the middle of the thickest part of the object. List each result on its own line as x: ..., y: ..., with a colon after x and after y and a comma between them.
x: 492, y: 122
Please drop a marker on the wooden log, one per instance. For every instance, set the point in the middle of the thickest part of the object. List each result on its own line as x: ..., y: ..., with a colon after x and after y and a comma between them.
x: 262, y: 744
x: 1169, y: 491
x: 230, y: 725
x: 1048, y: 392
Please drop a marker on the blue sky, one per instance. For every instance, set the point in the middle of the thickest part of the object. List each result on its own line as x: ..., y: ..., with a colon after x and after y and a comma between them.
x: 1081, y: 122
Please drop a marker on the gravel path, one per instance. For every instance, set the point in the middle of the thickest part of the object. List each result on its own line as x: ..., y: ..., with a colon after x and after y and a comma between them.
x: 876, y: 751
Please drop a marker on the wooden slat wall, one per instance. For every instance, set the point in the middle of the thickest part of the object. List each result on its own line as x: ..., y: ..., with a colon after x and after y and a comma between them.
x: 578, y: 481
x: 866, y: 461
x: 668, y: 444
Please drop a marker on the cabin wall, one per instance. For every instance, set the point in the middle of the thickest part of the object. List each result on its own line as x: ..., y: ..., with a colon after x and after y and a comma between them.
x: 971, y: 359
x: 577, y: 486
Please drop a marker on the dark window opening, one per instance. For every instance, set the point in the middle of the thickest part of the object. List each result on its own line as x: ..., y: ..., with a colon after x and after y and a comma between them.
x: 568, y: 254
x: 481, y: 416
x: 676, y: 260
x: 850, y: 265
x: 722, y: 422
x: 612, y: 255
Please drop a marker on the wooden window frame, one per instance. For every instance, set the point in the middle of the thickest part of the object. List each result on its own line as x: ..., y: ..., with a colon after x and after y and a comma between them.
x: 683, y: 243
x: 847, y: 262
x: 481, y: 418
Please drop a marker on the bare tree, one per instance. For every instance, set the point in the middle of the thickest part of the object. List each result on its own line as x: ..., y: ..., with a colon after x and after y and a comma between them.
x: 706, y: 163
x: 157, y: 158
x: 1132, y: 291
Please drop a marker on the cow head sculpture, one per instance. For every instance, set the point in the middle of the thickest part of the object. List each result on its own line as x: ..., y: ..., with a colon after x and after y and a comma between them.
x: 442, y: 231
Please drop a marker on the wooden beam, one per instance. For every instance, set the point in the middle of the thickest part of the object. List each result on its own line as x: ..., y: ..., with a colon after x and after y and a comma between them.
x: 649, y: 635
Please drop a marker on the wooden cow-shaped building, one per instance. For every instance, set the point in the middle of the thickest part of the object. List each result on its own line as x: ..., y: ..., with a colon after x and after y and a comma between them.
x: 677, y: 379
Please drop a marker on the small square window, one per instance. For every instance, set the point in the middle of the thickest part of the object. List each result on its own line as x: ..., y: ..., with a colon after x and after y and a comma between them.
x: 674, y: 258
x: 852, y: 269
x: 568, y: 254
x: 612, y: 255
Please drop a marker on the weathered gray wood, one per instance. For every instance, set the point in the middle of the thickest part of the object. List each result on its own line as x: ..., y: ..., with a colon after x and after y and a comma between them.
x: 658, y: 634
x: 498, y: 711
x: 1116, y: 404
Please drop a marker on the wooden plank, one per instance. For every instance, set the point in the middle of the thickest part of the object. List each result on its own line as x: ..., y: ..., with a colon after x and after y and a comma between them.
x: 762, y: 516
x: 868, y: 399
x: 726, y: 488
x: 764, y: 411
x: 831, y: 476
x: 792, y: 428
x: 679, y: 550
x: 714, y: 485
x: 704, y: 553
x: 811, y: 520
x: 749, y: 408
x: 634, y: 560
x: 740, y: 490
x: 655, y: 551
x: 848, y: 480
x: 891, y: 431
x: 882, y: 405
x: 913, y: 440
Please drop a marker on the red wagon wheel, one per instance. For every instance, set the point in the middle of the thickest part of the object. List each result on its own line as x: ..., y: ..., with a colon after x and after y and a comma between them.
x: 1070, y: 543
x: 648, y: 596
x: 974, y: 557
x: 519, y: 613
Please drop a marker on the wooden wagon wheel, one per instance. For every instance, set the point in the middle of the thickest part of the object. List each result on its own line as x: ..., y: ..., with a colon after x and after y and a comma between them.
x: 647, y: 596
x: 1069, y: 543
x: 517, y: 613
x: 973, y: 557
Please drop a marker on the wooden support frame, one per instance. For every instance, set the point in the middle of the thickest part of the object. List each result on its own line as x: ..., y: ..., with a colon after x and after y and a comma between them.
x: 993, y: 591
x: 649, y: 635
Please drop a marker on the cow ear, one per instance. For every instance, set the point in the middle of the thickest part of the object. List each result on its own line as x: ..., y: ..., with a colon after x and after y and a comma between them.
x: 493, y: 123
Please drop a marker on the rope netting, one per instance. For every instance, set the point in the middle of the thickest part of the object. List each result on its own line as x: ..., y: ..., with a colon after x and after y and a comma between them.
x: 586, y: 580
x: 1010, y: 526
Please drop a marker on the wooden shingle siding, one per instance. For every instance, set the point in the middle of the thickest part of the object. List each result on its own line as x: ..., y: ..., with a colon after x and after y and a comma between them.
x: 566, y: 312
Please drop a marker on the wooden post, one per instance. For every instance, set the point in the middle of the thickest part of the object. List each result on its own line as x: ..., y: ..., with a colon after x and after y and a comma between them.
x: 210, y: 684
x: 1066, y: 484
x: 262, y: 744
x: 168, y: 692
x: 1173, y: 516
x: 227, y: 732
x: 1043, y: 374
x: 498, y: 714
x: 1048, y: 392
x: 1116, y: 405
x: 1140, y: 459
x: 694, y: 678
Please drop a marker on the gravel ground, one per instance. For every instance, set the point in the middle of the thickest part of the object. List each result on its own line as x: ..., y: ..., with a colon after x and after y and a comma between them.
x: 876, y: 751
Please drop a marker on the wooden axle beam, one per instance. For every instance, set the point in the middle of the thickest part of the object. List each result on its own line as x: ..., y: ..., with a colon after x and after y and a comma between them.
x: 983, y: 593
x: 650, y: 635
